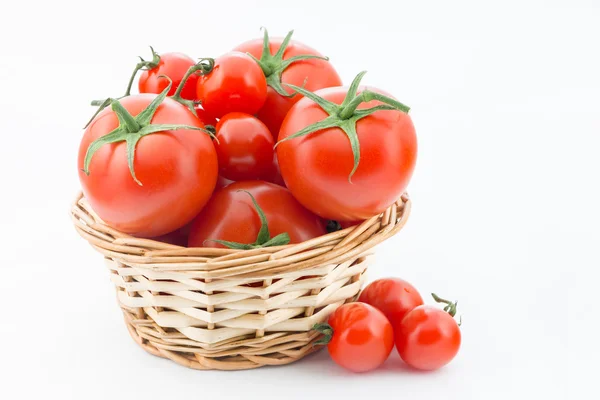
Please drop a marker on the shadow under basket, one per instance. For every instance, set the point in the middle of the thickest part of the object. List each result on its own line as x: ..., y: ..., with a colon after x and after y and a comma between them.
x: 225, y: 309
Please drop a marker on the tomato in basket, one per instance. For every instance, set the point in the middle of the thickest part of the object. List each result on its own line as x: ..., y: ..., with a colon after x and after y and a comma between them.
x: 347, y: 153
x: 286, y: 61
x: 250, y: 214
x: 146, y: 166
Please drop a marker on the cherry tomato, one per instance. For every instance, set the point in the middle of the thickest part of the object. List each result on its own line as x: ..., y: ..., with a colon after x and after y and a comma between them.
x: 205, y: 117
x: 317, y: 168
x: 230, y: 215
x: 274, y: 174
x: 427, y: 338
x: 177, y: 171
x: 362, y: 337
x: 313, y: 73
x: 236, y: 83
x: 173, y: 65
x: 392, y: 296
x: 244, y: 147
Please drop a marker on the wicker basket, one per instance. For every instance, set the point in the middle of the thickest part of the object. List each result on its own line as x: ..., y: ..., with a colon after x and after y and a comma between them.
x: 209, y: 308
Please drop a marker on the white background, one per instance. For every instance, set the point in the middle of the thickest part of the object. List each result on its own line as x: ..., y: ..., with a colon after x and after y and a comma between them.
x: 506, y: 102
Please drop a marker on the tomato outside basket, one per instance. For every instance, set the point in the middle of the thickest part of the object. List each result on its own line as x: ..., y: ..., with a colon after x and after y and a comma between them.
x: 226, y: 309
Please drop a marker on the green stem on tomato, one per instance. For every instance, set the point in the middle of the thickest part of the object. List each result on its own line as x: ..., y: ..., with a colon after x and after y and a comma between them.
x: 450, y: 307
x: 346, y: 115
x: 326, y: 330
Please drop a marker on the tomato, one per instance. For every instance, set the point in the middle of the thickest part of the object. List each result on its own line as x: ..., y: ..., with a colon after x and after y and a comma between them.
x: 320, y: 167
x: 358, y: 336
x: 205, y: 117
x: 427, y: 338
x: 236, y: 83
x: 172, y: 172
x: 244, y: 147
x: 392, y: 296
x: 231, y: 216
x: 313, y: 73
x: 274, y: 175
x: 173, y: 65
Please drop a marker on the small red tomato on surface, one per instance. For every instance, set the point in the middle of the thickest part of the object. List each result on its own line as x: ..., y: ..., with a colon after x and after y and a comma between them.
x: 174, y: 66
x: 428, y: 338
x: 358, y: 336
x: 236, y: 83
x: 392, y: 296
x: 347, y: 153
x: 287, y: 61
x: 231, y: 216
x: 244, y: 146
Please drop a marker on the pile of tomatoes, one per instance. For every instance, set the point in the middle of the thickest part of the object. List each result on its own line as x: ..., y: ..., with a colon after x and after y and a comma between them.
x: 261, y: 146
x: 360, y: 336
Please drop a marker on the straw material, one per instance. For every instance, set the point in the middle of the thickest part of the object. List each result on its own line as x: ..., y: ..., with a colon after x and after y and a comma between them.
x: 209, y: 308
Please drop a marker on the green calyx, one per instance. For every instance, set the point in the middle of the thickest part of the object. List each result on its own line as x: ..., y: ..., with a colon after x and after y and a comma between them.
x: 326, y: 330
x: 263, y: 239
x: 131, y: 129
x: 273, y: 65
x: 346, y: 115
x: 142, y: 65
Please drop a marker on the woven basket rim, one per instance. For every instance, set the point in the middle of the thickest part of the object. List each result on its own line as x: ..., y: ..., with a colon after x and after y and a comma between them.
x: 210, y: 262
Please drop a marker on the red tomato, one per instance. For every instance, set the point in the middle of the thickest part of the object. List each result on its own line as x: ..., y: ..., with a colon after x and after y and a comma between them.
x: 316, y: 167
x: 314, y: 74
x: 362, y: 337
x: 427, y: 338
x: 392, y: 296
x: 177, y: 170
x: 205, y: 117
x: 244, y: 147
x: 236, y: 83
x: 348, y: 224
x: 274, y: 175
x: 173, y: 65
x: 230, y: 215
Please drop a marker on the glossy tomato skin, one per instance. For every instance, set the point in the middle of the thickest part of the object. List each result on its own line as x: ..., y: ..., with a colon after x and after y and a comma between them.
x: 314, y: 74
x: 394, y: 297
x: 316, y: 167
x: 273, y: 175
x: 230, y: 215
x: 244, y: 147
x: 178, y: 170
x: 173, y: 65
x: 205, y: 117
x: 236, y: 83
x: 362, y: 337
x: 427, y: 338
x: 222, y: 182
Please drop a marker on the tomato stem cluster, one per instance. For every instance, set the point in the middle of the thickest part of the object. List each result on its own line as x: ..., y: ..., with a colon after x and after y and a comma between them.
x: 273, y: 65
x: 263, y: 239
x: 346, y: 115
x: 204, y: 66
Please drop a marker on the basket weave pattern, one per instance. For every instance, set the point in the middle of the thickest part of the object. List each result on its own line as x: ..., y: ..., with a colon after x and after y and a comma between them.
x: 209, y: 308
